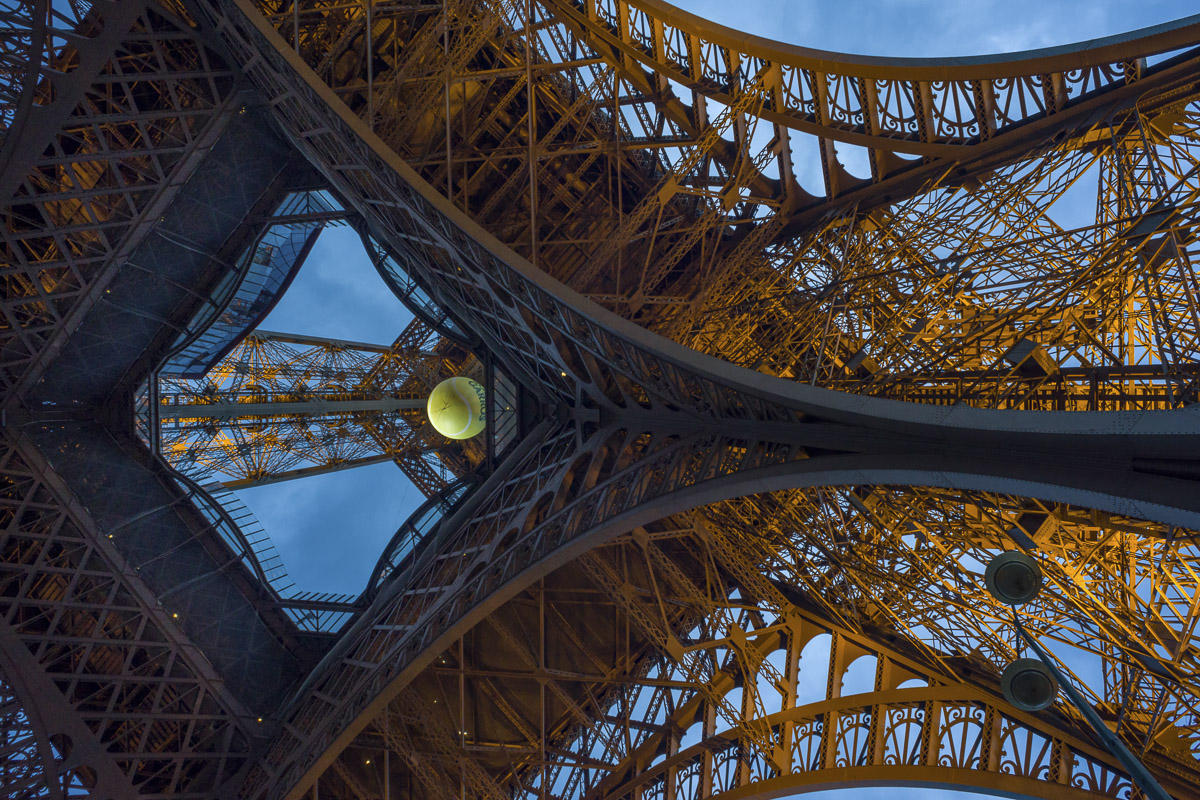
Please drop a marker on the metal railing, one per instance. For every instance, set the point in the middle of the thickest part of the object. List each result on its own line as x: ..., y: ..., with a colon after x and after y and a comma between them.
x: 414, y: 529
x: 410, y: 293
x: 243, y: 297
x: 318, y: 612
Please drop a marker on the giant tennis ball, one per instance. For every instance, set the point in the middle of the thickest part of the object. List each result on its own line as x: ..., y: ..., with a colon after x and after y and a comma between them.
x: 456, y: 408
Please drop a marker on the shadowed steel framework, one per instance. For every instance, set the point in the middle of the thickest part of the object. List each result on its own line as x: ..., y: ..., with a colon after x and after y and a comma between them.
x: 758, y: 423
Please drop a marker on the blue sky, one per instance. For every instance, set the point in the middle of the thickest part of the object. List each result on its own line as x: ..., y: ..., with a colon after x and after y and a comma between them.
x: 919, y: 28
x: 331, y: 529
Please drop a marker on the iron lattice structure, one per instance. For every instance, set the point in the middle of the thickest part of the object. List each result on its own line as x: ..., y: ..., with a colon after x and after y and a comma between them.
x: 770, y: 419
x: 281, y: 407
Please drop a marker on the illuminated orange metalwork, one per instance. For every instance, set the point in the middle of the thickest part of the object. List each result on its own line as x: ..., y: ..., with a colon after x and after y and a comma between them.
x: 280, y: 407
x: 600, y: 622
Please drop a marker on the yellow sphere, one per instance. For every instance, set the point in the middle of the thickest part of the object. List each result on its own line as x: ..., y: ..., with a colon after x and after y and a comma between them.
x: 456, y: 408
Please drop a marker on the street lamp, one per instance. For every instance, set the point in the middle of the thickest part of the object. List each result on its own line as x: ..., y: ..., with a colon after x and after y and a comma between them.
x: 1013, y: 578
x: 1030, y: 684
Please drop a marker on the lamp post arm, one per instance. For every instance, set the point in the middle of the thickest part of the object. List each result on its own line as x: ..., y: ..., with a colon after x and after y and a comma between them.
x: 1111, y: 742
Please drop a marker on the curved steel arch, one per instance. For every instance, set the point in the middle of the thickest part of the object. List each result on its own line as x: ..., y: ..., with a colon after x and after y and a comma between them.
x: 792, y: 245
x: 595, y: 363
x: 890, y: 738
x: 958, y: 113
x: 948, y: 103
x: 945, y: 733
x: 778, y: 738
x: 505, y: 540
x: 1057, y: 58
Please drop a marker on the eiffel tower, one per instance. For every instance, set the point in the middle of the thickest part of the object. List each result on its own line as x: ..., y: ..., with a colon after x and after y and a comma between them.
x: 747, y: 439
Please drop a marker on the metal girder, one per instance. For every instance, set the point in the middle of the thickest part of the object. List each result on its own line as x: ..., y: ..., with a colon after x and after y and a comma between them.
x: 52, y: 715
x: 98, y: 661
x: 504, y: 128
x: 949, y: 101
x: 614, y: 464
x: 529, y: 126
x: 485, y: 553
x: 839, y: 704
x: 280, y: 406
x: 935, y: 299
x: 784, y: 668
x: 912, y: 560
x: 576, y: 353
x: 936, y: 296
x: 70, y: 223
x: 33, y: 763
x: 983, y: 296
x: 118, y: 114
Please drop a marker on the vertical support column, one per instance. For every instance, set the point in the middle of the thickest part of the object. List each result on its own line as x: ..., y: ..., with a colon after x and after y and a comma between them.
x: 462, y: 708
x: 446, y: 51
x: 868, y: 98
x: 833, y: 681
x: 923, y: 97
x: 672, y: 776
x: 531, y: 119
x: 989, y: 756
x: 542, y: 678
x: 985, y: 107
x: 877, y: 738
x: 791, y: 676
x: 620, y: 204
x: 370, y: 45
x: 932, y: 733
x: 707, y: 765
x: 833, y: 689
x: 1060, y: 763
x: 830, y: 167
x: 745, y: 751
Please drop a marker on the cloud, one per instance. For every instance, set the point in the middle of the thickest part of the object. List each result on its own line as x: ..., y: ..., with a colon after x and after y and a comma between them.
x: 331, y: 529
x: 338, y: 294
x: 934, y: 28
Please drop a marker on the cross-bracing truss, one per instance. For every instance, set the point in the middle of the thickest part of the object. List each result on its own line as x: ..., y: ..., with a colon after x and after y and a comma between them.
x: 688, y: 521
x: 279, y: 407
